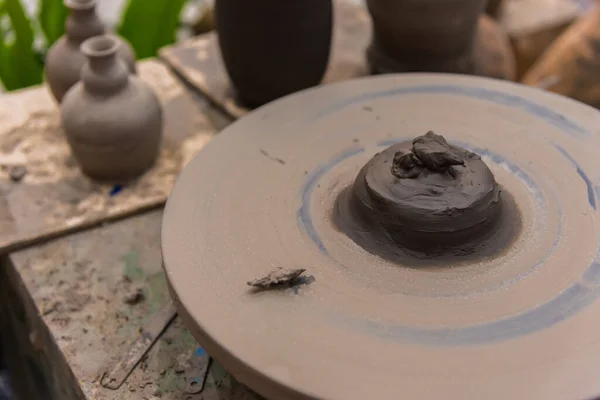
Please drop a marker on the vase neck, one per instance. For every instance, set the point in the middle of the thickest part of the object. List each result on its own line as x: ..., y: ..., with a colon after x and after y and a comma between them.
x: 82, y: 23
x: 105, y: 73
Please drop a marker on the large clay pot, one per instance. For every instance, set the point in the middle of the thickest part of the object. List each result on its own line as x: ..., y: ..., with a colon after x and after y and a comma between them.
x: 113, y: 121
x: 272, y: 48
x: 425, y: 35
x: 64, y: 59
x: 493, y: 8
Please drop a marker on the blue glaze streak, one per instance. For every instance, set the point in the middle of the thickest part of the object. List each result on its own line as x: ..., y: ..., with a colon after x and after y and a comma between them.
x: 498, y: 159
x: 592, y: 275
x: 200, y: 352
x: 115, y: 190
x: 509, y: 100
x: 569, y: 302
x: 303, y: 216
x: 582, y: 174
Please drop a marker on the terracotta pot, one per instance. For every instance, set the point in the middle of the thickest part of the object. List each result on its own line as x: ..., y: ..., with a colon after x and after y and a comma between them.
x: 493, y: 8
x: 272, y: 48
x: 112, y: 120
x: 425, y: 35
x: 64, y: 59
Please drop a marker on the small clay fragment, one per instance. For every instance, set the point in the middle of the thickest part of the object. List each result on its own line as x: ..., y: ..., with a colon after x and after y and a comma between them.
x: 406, y: 165
x: 17, y: 173
x: 279, y: 276
x: 134, y: 297
x: 430, y: 152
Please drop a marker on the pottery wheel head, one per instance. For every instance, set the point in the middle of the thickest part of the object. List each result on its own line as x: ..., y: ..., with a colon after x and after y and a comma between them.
x: 516, y: 315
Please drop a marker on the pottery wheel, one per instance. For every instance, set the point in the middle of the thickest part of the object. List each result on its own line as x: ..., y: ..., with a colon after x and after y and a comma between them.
x: 521, y: 322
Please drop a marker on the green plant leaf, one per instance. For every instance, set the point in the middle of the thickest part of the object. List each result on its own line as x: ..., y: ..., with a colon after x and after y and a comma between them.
x: 52, y: 17
x: 150, y: 24
x: 7, y: 70
x: 19, y: 56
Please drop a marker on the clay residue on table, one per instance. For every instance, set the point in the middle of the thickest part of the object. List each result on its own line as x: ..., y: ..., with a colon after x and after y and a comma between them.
x: 78, y: 283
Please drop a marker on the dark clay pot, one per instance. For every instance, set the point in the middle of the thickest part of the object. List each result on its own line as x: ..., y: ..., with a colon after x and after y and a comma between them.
x: 425, y: 35
x: 272, y: 48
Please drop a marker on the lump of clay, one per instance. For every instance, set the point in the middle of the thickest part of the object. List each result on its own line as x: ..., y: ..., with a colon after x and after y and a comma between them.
x: 429, y: 152
x: 280, y: 276
x: 426, y: 194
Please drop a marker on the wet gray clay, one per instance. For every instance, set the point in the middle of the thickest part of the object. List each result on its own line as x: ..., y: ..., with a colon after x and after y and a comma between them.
x: 272, y: 48
x: 113, y: 121
x: 423, y: 35
x: 64, y: 59
x: 426, y: 196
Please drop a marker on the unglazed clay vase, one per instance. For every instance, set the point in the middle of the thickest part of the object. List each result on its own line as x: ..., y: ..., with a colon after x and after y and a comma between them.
x: 113, y: 121
x: 272, y: 48
x: 64, y: 59
x: 424, y: 35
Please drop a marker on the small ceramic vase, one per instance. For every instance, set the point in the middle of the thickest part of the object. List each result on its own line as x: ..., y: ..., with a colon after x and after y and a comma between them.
x: 424, y: 35
x: 64, y: 59
x: 113, y: 121
x: 272, y: 48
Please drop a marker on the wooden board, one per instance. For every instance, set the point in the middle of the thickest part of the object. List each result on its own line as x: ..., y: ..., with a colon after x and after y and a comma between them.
x: 198, y: 60
x: 533, y: 25
x: 572, y: 63
x: 79, y: 283
x: 54, y: 197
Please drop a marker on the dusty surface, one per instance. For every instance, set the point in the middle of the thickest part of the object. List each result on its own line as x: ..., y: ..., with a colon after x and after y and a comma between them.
x: 53, y: 197
x: 81, y: 283
x: 521, y: 323
x: 198, y: 60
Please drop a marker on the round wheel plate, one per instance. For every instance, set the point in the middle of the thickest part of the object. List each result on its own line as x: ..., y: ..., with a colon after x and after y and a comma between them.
x: 521, y: 323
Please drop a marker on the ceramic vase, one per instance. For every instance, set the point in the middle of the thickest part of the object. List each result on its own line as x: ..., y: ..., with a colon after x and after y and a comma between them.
x: 423, y: 35
x: 112, y: 120
x: 64, y: 59
x: 272, y: 48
